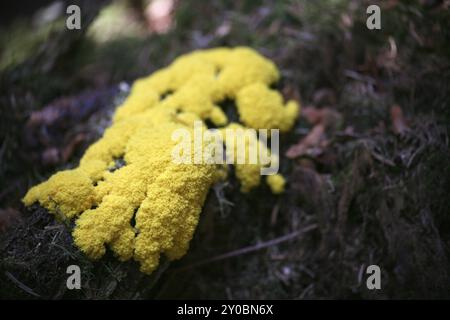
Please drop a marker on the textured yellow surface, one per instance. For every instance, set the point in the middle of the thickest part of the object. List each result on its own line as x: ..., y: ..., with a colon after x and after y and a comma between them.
x: 248, y: 172
x: 276, y: 183
x: 166, y: 198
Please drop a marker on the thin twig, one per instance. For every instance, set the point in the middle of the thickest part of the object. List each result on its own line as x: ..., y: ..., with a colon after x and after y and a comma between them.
x: 21, y: 285
x: 274, y: 216
x: 250, y: 249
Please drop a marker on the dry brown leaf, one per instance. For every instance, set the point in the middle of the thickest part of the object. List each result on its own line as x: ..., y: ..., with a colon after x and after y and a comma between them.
x: 324, y: 120
x: 313, y: 139
x: 399, y: 125
x: 312, y: 115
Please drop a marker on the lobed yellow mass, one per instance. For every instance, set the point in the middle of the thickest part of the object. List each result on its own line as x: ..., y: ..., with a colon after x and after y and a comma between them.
x: 166, y: 198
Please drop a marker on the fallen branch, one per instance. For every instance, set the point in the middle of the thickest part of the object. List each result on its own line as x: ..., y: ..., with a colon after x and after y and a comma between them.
x: 250, y: 249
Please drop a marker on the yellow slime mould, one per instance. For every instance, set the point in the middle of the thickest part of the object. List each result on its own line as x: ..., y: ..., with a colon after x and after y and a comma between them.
x: 164, y: 198
x: 276, y: 183
x: 248, y: 170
